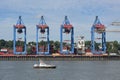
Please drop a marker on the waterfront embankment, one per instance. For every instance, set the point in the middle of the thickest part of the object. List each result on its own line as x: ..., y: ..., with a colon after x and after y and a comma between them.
x: 57, y: 58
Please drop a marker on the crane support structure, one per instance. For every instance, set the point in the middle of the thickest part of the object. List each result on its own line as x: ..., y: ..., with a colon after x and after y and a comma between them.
x: 68, y: 28
x: 19, y: 28
x: 98, y: 28
x: 43, y: 27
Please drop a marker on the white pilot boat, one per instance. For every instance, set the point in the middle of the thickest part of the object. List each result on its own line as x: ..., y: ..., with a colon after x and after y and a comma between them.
x: 43, y: 65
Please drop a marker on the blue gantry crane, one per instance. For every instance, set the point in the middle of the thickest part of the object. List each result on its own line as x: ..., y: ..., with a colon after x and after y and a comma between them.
x: 43, y: 27
x: 19, y: 28
x: 66, y: 28
x: 100, y: 29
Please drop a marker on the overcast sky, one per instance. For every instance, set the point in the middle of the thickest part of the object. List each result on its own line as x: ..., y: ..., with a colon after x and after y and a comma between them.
x: 81, y: 14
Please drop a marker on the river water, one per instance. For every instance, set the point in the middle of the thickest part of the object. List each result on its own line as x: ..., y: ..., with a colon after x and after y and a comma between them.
x: 66, y: 70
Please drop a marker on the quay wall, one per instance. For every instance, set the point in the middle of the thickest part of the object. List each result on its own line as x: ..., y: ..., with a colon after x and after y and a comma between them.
x: 57, y: 58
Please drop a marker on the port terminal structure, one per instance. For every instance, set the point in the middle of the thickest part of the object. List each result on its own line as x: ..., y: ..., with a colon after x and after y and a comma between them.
x: 98, y: 28
x: 66, y: 28
x: 44, y: 31
x: 19, y: 29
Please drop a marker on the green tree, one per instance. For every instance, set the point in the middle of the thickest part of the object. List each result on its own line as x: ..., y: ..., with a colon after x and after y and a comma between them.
x: 2, y: 43
x: 57, y: 45
x: 9, y: 44
x: 88, y: 44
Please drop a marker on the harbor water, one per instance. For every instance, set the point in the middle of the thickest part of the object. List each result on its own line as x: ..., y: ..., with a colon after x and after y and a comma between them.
x: 65, y: 70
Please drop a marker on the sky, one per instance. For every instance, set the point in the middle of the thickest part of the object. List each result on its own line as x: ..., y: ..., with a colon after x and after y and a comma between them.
x: 81, y: 14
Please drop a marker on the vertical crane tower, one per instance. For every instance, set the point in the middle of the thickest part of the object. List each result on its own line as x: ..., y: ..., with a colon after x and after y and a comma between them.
x: 43, y: 27
x: 68, y: 28
x: 100, y: 29
x: 19, y: 28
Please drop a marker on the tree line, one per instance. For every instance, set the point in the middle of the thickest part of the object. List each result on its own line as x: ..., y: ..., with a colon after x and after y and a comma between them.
x: 111, y: 46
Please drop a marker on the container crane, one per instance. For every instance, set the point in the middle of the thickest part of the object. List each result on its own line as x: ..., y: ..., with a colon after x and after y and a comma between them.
x: 100, y: 29
x: 43, y: 27
x: 19, y: 28
x: 66, y: 28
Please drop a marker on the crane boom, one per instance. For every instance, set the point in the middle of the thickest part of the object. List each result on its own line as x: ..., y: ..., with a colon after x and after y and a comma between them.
x: 112, y: 31
x: 115, y: 24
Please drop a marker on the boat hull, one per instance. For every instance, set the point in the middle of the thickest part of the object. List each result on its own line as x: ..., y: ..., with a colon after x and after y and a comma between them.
x: 45, y: 67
